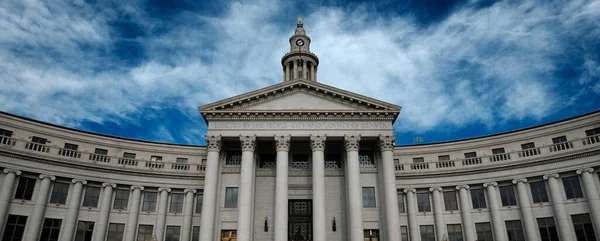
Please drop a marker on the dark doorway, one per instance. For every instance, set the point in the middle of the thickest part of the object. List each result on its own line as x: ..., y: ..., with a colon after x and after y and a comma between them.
x: 300, y: 220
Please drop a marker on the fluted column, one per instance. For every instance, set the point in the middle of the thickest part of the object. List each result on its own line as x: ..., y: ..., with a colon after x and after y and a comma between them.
x: 438, y: 213
x: 73, y: 211
x: 187, y: 216
x: 159, y: 231
x: 465, y: 212
x: 497, y: 221
x: 558, y: 206
x: 134, y: 211
x: 246, y: 186
x: 531, y: 231
x: 411, y: 210
x: 37, y: 217
x: 392, y: 216
x: 352, y: 144
x: 282, y: 144
x: 102, y: 222
x: 6, y: 193
x: 295, y: 69
x: 317, y: 144
x: 209, y: 197
x: 591, y: 193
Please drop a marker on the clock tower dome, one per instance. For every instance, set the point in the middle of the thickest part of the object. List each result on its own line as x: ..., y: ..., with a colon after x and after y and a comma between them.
x: 300, y: 63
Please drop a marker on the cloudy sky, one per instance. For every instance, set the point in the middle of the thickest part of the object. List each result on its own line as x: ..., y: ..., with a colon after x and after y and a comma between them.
x: 140, y: 69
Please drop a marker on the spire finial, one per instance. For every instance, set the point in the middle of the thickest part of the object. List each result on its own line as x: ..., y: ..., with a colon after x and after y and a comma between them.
x: 299, y: 22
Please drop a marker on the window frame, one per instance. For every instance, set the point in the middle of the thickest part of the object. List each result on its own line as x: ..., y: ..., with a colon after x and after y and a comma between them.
x: 146, y: 235
x: 452, y: 204
x: 537, y: 196
x: 572, y: 191
x: 57, y: 197
x: 511, y: 198
x: 17, y: 223
x: 50, y: 228
x: 85, y: 228
x: 401, y: 202
x: 176, y: 204
x: 150, y: 203
x: 478, y: 194
x: 516, y: 229
x: 484, y: 231
x: 114, y: 231
x: 229, y: 193
x: 25, y: 189
x: 121, y: 200
x: 199, y: 201
x: 369, y: 197
x: 426, y: 204
x: 547, y: 226
x: 93, y: 199
x: 583, y: 223
x: 454, y: 233
x: 176, y: 231
x: 429, y: 234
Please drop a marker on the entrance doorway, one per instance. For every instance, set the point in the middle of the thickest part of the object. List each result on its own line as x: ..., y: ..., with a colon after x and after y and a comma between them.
x: 300, y: 220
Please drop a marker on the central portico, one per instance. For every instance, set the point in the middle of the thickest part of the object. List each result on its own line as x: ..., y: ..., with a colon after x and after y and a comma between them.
x: 324, y: 133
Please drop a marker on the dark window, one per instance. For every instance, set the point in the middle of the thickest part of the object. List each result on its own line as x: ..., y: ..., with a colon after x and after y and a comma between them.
x: 73, y: 147
x: 498, y: 151
x: 121, y: 199
x: 450, y: 202
x: 538, y: 192
x: 454, y: 232
x: 444, y: 158
x: 470, y: 154
x: 572, y: 187
x: 484, y: 232
x: 371, y: 234
x: 547, y: 229
x: 559, y: 139
x: 368, y: 194
x: 173, y: 233
x: 90, y: 199
x: 6, y: 133
x: 418, y: 160
x: 526, y: 146
x: 267, y: 161
x: 59, y: 193
x: 128, y: 155
x: 149, y: 201
x: 196, y: 233
x: 199, y: 200
x: 39, y: 140
x: 514, y: 230
x: 365, y: 158
x: 115, y: 232
x: 176, y: 203
x: 234, y: 158
x: 181, y: 160
x: 84, y: 232
x: 231, y: 197
x: 427, y: 233
x: 401, y: 201
x: 403, y: 233
x: 423, y: 202
x: 145, y: 232
x: 584, y: 230
x: 507, y: 194
x: 478, y: 198
x: 300, y: 161
x: 99, y: 151
x: 593, y: 132
x: 5, y: 137
x: 333, y: 161
x: 15, y: 227
x: 25, y: 188
x: 51, y: 229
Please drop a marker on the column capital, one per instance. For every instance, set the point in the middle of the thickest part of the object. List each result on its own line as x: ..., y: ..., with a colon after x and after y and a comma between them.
x: 106, y: 184
x: 15, y: 171
x: 352, y: 143
x: 523, y: 180
x: 213, y: 143
x: 439, y: 189
x: 317, y: 143
x: 189, y: 190
x: 248, y: 142
x: 466, y: 187
x: 493, y: 184
x: 548, y: 176
x: 165, y: 189
x: 282, y: 143
x: 44, y: 176
x: 386, y: 143
x: 589, y: 169
x: 137, y: 187
x: 407, y: 190
x: 75, y: 181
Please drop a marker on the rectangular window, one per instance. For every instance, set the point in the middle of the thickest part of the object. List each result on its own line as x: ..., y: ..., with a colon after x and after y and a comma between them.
x: 478, y: 198
x: 572, y: 187
x: 5, y: 137
x: 444, y: 158
x: 59, y: 193
x: 484, y: 232
x: 196, y: 233
x: 507, y: 194
x: 128, y: 155
x: 39, y: 140
x: 51, y: 229
x: 15, y: 227
x: 90, y: 199
x: 6, y: 133
x: 450, y: 202
x: 176, y: 203
x: 401, y: 201
x: 423, y: 202
x: 267, y: 161
x: 538, y: 192
x: 234, y: 158
x: 145, y: 232
x: 25, y: 188
x: 403, y: 233
x: 231, y: 197
x: 593, y: 132
x: 529, y: 145
x: 173, y: 233
x: 427, y: 233
x: 418, y: 160
x: 515, y: 230
x: 454, y: 232
x: 371, y: 234
x: 365, y: 158
x: 368, y: 194
x: 181, y: 160
x: 99, y: 151
x: 84, y: 232
x: 156, y: 158
x: 470, y: 154
x: 547, y: 229
x: 115, y: 232
x: 497, y: 151
x: 559, y: 139
x: 72, y: 147
x: 228, y: 234
x: 121, y: 199
x: 584, y: 230
x: 199, y: 198
x: 149, y: 202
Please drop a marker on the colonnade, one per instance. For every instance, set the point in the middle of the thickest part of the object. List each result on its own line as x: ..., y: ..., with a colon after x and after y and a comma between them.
x: 307, y: 68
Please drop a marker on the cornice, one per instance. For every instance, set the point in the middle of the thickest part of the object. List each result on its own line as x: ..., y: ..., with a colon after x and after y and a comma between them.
x: 303, y: 115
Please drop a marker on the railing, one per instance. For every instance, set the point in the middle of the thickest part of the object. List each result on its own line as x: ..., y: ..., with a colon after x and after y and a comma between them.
x: 500, y: 157
x: 444, y: 164
x: 99, y: 158
x: 37, y: 147
x: 300, y: 164
x: 590, y: 140
x: 267, y: 165
x: 7, y: 140
x: 332, y: 164
x: 561, y: 146
x: 155, y: 164
x: 69, y: 153
x: 201, y: 168
x: 529, y: 152
x: 180, y: 166
x: 127, y: 162
x: 419, y: 166
x: 399, y: 167
x: 471, y: 161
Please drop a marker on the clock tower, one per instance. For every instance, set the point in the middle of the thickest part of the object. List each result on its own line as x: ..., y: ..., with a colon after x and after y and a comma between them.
x: 300, y: 63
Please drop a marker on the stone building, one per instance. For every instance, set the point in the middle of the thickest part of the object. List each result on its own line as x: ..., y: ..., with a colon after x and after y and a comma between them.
x: 299, y: 160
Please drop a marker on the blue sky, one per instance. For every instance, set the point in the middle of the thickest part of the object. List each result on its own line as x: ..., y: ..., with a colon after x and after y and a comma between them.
x: 140, y: 69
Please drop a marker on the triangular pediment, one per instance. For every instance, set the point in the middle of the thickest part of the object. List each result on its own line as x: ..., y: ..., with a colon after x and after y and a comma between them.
x: 301, y: 100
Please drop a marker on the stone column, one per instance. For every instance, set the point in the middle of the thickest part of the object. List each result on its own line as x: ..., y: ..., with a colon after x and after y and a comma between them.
x: 411, y: 210
x: 132, y: 220
x: 209, y: 197
x: 246, y: 186
x: 304, y: 69
x: 294, y: 73
x: 392, y: 216
x: 438, y: 212
x: 352, y: 144
x: 529, y: 223
x: 313, y: 73
x: 102, y: 223
x: 465, y: 212
x: 497, y: 222
x: 287, y: 71
x: 159, y: 230
x: 317, y: 144
x: 282, y: 144
x: 591, y: 193
x: 73, y: 211
x: 37, y: 217
x: 6, y: 193
x: 187, y: 216
x: 558, y: 206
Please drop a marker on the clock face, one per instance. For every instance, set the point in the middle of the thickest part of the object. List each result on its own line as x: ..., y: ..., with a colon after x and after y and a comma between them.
x: 300, y: 42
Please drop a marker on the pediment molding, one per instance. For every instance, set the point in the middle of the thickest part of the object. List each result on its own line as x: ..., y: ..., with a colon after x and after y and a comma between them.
x: 312, y: 92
